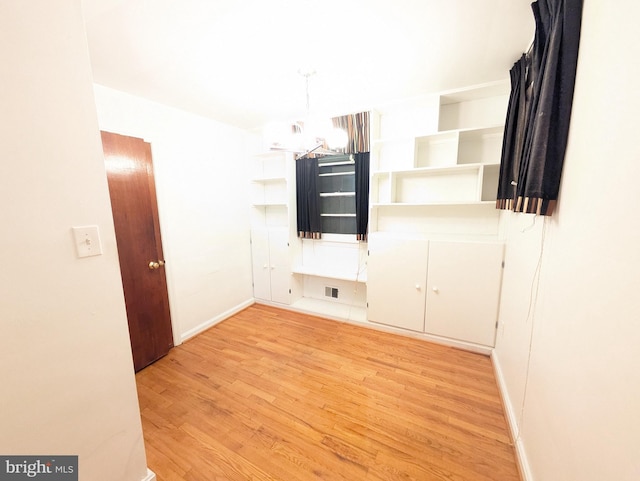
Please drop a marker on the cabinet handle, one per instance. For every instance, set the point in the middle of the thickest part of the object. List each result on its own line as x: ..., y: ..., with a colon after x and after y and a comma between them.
x: 265, y: 266
x: 435, y: 289
x: 418, y: 287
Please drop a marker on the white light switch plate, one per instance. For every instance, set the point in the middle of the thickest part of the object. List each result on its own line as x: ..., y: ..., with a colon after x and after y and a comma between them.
x: 87, y: 239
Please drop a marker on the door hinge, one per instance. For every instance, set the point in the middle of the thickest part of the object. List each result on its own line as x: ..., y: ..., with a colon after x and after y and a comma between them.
x: 289, y: 291
x: 503, y: 264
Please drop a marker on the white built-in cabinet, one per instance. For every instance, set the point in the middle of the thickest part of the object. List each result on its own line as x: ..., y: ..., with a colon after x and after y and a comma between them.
x: 433, y: 263
x: 397, y: 276
x: 271, y: 229
x: 448, y: 289
x: 435, y: 248
x: 325, y: 277
x: 463, y: 290
x: 271, y: 264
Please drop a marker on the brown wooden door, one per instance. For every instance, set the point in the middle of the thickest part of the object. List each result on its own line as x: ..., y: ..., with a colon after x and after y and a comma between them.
x: 135, y: 215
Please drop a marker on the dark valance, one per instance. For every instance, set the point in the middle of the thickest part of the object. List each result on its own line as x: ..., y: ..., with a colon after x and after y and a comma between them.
x: 357, y: 128
x: 537, y: 123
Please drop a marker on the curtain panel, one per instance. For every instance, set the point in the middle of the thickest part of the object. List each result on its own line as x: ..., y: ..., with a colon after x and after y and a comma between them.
x: 513, y: 141
x: 539, y: 113
x: 308, y: 198
x: 362, y: 195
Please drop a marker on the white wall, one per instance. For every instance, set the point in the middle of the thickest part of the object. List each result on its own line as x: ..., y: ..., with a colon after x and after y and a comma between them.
x: 577, y: 407
x: 66, y: 373
x: 202, y: 184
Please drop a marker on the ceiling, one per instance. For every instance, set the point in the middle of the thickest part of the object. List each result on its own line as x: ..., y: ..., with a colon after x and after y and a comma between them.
x: 238, y: 61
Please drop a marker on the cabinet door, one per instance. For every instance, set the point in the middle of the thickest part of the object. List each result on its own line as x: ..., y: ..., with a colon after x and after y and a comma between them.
x: 260, y: 264
x: 271, y: 271
x: 463, y: 290
x: 279, y: 266
x: 397, y: 272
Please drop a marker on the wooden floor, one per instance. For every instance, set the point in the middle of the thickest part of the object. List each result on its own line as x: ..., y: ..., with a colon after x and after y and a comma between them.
x: 274, y: 395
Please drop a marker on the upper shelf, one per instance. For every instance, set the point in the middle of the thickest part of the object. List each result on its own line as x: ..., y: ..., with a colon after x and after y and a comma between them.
x: 447, y: 170
x: 474, y: 107
x: 442, y: 149
x: 269, y: 180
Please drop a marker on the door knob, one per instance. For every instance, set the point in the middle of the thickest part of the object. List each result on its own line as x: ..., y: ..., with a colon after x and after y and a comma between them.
x: 155, y: 264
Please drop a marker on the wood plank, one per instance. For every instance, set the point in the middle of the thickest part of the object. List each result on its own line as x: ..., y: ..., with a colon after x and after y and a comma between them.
x: 271, y: 394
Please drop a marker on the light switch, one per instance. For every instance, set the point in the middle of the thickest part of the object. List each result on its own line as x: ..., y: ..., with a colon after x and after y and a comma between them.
x: 87, y: 240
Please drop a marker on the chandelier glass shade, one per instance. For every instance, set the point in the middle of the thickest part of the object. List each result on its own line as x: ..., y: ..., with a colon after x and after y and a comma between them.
x: 314, y: 133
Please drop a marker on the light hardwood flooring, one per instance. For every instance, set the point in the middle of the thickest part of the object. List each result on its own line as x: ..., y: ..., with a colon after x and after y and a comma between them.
x: 270, y: 394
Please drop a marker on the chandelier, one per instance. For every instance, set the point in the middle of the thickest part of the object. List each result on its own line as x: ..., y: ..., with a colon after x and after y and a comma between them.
x: 312, y: 134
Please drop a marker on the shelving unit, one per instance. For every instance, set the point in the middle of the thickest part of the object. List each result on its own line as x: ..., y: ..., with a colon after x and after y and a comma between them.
x: 433, y: 262
x: 270, y: 196
x: 294, y: 272
x: 332, y: 268
x: 455, y: 165
x: 272, y: 229
x: 434, y: 232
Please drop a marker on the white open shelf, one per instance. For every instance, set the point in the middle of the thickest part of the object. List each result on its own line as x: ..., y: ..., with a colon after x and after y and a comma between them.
x: 489, y: 203
x: 457, y: 184
x: 331, y: 273
x: 331, y: 309
x: 268, y: 180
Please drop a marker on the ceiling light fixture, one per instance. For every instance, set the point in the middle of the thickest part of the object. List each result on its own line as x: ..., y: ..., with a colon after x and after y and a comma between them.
x: 309, y: 135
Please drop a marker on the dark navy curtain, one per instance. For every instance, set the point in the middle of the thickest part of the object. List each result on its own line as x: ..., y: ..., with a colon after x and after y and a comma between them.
x: 537, y: 124
x: 308, y: 198
x: 513, y: 141
x: 362, y: 195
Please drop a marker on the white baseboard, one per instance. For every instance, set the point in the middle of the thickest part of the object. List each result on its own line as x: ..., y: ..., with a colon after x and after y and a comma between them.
x: 363, y: 322
x: 521, y: 454
x: 151, y: 476
x: 212, y: 322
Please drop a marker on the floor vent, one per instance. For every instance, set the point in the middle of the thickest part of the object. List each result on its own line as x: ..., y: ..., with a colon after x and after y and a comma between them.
x: 331, y: 292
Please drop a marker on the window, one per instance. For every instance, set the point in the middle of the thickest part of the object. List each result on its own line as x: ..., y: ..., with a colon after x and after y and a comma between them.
x: 332, y: 192
x: 337, y: 188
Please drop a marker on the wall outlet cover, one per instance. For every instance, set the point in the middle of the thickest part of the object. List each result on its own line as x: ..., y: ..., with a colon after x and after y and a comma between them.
x: 87, y: 241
